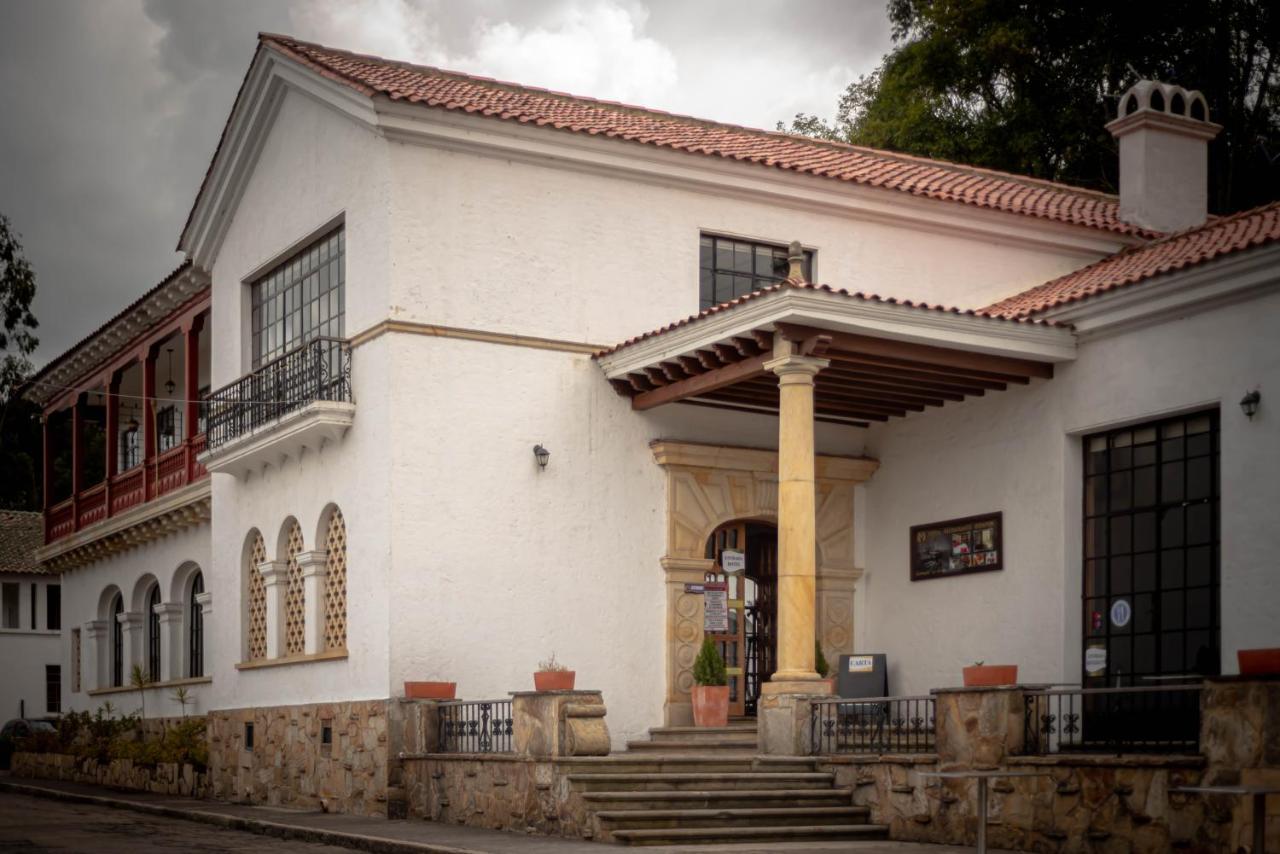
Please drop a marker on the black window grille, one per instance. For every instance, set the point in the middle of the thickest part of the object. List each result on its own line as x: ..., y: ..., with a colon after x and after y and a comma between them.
x: 300, y: 299
x: 195, y: 653
x: 730, y: 268
x: 1151, y: 557
x: 248, y: 736
x: 117, y: 643
x: 53, y: 689
x: 168, y: 428
x: 53, y: 607
x: 130, y: 449
x: 153, y: 635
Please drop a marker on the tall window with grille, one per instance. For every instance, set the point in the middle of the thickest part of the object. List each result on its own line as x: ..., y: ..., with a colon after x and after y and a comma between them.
x: 255, y: 601
x: 153, y: 634
x: 117, y: 643
x: 75, y: 661
x: 300, y: 299
x: 730, y: 268
x: 195, y: 629
x: 295, y: 606
x: 53, y: 689
x: 1151, y: 533
x: 335, y: 582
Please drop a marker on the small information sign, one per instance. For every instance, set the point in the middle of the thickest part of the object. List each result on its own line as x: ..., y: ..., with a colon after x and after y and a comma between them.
x: 861, y: 663
x: 694, y: 588
x: 732, y: 561
x: 1121, y: 613
x: 715, y: 608
x: 1095, y: 660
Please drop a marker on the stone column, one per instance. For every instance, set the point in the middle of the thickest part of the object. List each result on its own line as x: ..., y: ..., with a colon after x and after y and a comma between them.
x: 275, y: 577
x: 978, y: 727
x: 684, y: 633
x: 314, y: 567
x: 95, y: 665
x: 134, y: 626
x: 797, y: 527
x: 171, y: 645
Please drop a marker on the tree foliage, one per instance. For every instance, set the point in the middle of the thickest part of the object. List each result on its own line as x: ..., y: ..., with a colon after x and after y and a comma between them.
x: 1028, y: 87
x: 19, y: 418
x: 708, y: 667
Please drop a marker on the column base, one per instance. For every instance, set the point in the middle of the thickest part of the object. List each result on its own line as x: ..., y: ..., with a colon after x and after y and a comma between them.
x: 809, y: 687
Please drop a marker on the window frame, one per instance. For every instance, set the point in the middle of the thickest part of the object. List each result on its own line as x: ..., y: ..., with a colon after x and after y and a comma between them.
x: 711, y: 272
x: 195, y: 629
x: 53, y: 689
x: 7, y: 602
x: 53, y: 607
x: 154, y: 658
x: 281, y: 296
x: 117, y: 642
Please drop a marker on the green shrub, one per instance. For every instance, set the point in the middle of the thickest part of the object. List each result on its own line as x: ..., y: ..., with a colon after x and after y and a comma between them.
x: 820, y: 661
x: 104, y: 738
x: 708, y: 668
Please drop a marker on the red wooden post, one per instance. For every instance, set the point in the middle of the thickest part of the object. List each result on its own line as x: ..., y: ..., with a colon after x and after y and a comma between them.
x: 191, y: 390
x: 113, y: 435
x: 46, y: 489
x: 77, y: 458
x: 149, y: 423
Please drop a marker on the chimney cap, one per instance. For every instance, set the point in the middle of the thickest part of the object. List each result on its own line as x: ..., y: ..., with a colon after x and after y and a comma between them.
x: 1152, y: 102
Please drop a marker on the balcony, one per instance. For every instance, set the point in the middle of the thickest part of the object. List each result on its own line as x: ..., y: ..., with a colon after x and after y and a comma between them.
x: 301, y: 400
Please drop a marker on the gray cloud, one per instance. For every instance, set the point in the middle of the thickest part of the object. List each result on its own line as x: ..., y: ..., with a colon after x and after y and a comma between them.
x: 110, y: 109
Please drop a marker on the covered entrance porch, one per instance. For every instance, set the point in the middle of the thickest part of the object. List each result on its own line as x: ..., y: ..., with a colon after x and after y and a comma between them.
x: 802, y: 353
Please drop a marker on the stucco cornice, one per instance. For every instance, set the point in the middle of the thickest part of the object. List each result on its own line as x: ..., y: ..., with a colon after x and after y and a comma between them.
x: 761, y: 460
x: 174, y: 512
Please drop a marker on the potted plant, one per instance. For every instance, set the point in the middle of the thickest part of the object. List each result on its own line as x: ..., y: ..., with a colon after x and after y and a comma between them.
x: 430, y: 690
x: 980, y: 675
x: 822, y: 666
x: 553, y: 676
x: 1259, y: 662
x: 711, y: 687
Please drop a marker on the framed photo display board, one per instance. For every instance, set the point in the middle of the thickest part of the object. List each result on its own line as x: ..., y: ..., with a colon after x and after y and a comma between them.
x: 957, y: 547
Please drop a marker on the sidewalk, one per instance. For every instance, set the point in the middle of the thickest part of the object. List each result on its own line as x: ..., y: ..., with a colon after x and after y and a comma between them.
x: 399, y: 837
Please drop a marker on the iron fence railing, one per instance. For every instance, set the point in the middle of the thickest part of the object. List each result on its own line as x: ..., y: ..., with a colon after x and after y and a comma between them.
x: 1163, y: 719
x: 873, y: 725
x: 319, y: 369
x: 476, y: 726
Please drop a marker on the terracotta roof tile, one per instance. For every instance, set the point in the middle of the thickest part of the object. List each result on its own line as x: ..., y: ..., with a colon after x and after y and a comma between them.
x: 448, y: 90
x: 21, y: 533
x: 796, y: 284
x: 1199, y: 245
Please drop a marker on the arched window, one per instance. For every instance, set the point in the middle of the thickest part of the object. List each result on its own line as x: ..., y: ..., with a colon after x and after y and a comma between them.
x: 117, y: 642
x: 195, y: 629
x: 153, y: 634
x: 335, y: 583
x: 256, y: 601
x: 295, y: 608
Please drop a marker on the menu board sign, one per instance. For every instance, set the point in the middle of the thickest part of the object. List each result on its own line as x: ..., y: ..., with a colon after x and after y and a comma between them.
x: 715, y: 608
x: 957, y: 547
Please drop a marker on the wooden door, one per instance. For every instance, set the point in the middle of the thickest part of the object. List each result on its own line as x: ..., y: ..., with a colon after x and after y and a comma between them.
x: 732, y: 644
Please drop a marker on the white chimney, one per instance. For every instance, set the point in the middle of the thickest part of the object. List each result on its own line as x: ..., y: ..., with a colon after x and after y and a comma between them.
x: 1164, y: 134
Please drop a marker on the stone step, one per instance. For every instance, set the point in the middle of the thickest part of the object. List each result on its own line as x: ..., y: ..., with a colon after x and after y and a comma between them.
x: 636, y: 819
x: 718, y: 799
x: 656, y: 763
x: 633, y: 782
x: 700, y: 746
x: 710, y: 835
x: 702, y: 733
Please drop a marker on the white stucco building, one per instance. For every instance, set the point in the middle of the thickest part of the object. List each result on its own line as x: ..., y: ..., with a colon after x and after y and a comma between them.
x: 30, y: 622
x: 401, y: 280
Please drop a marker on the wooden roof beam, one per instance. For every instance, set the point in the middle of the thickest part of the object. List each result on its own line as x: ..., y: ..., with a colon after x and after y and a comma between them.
x: 701, y: 384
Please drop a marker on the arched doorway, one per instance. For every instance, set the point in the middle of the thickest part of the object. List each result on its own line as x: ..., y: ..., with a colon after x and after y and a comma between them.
x: 750, y: 645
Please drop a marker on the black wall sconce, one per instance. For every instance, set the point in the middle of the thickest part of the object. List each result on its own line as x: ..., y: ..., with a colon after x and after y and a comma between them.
x: 1249, y: 403
x: 542, y: 455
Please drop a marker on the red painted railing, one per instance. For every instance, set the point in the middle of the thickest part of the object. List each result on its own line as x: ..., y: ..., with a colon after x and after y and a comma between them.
x: 170, y: 471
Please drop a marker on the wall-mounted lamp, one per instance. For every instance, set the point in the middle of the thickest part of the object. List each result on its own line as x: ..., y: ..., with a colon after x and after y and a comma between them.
x: 1249, y: 403
x: 542, y: 455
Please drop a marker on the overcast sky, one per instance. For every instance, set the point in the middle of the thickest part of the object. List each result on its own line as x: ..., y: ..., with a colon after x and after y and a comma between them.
x: 110, y: 109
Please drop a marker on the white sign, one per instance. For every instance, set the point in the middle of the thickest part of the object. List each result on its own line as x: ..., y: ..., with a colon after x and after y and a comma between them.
x: 733, y: 561
x: 1121, y: 612
x: 1095, y: 660
x: 861, y: 663
x: 715, y: 609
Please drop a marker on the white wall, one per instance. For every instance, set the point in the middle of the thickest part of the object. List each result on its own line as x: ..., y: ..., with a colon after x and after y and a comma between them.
x: 25, y: 650
x: 1018, y: 451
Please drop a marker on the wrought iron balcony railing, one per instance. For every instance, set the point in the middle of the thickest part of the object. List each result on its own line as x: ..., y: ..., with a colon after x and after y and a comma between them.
x: 1113, y: 720
x: 873, y: 725
x: 320, y: 369
x: 477, y: 726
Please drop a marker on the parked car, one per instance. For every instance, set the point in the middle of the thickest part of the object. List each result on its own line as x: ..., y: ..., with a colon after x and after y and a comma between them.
x: 16, y: 729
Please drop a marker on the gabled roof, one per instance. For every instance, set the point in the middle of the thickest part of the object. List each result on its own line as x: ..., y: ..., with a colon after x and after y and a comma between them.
x: 21, y: 533
x: 375, y: 77
x: 1189, y: 248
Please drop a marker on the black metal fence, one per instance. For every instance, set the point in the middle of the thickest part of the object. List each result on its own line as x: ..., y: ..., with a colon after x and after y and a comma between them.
x: 873, y: 725
x: 320, y: 369
x: 476, y: 726
x: 1113, y: 720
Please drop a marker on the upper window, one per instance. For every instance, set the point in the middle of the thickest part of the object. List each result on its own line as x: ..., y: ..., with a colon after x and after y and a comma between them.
x: 9, y: 593
x: 53, y: 607
x: 730, y: 268
x: 301, y: 299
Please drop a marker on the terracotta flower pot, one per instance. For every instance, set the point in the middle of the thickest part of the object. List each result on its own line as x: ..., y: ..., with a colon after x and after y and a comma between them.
x: 430, y: 690
x: 554, y: 680
x: 1259, y: 662
x: 711, y: 705
x: 990, y: 675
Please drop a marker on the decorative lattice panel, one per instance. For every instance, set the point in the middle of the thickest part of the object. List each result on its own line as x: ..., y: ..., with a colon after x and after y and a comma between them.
x: 295, y: 616
x: 257, y: 602
x: 335, y: 584
x: 75, y: 661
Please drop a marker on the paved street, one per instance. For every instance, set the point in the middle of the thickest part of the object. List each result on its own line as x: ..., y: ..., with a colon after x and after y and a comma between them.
x: 30, y: 824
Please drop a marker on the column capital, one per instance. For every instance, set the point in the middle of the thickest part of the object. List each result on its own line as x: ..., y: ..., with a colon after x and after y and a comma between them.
x: 168, y: 611
x: 274, y: 572
x: 313, y: 563
x: 131, y: 619
x: 205, y: 601
x: 796, y: 366
x: 96, y: 629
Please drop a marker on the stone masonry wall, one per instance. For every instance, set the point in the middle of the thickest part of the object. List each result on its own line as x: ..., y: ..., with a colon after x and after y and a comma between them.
x: 290, y: 765
x: 166, y: 778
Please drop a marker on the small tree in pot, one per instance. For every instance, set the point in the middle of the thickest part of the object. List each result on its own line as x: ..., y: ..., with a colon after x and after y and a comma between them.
x: 822, y: 666
x: 711, y: 688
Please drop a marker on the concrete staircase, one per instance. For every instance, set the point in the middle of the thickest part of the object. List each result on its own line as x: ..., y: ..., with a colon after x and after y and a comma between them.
x: 688, y: 785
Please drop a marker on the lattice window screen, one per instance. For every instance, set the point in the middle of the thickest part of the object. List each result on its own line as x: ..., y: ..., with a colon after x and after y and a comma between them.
x: 295, y: 616
x: 257, y: 602
x: 75, y: 661
x: 335, y: 584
